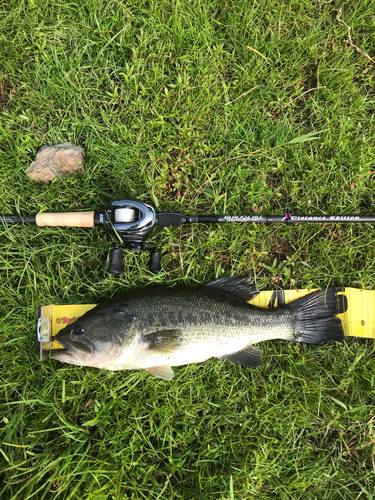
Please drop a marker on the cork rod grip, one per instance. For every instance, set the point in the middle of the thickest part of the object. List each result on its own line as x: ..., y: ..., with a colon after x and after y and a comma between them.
x: 68, y: 219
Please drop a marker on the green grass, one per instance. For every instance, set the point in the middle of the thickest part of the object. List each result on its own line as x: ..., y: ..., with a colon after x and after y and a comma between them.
x: 158, y: 95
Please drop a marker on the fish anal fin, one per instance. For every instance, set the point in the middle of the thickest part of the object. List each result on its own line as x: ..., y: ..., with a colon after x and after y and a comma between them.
x: 164, y: 372
x: 250, y: 356
x: 240, y: 287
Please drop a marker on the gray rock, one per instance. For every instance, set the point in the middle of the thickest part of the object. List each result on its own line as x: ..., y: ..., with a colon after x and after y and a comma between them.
x: 58, y: 160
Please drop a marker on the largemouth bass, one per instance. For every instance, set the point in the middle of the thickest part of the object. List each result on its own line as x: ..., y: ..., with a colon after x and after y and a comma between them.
x: 156, y: 328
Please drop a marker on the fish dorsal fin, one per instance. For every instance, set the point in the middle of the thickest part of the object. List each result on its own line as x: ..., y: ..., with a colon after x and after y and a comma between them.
x: 247, y: 357
x: 165, y: 372
x: 163, y: 341
x: 240, y: 287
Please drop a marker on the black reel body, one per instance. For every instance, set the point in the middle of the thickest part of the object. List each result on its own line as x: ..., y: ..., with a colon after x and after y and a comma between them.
x: 133, y: 222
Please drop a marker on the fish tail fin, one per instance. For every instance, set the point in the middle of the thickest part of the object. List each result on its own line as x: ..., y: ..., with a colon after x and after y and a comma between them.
x: 316, y: 320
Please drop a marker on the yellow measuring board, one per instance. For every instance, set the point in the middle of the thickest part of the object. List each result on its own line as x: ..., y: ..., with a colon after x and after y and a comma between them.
x: 357, y: 313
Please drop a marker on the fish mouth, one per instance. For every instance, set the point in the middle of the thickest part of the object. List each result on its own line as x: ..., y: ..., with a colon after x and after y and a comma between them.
x: 66, y: 356
x: 72, y: 352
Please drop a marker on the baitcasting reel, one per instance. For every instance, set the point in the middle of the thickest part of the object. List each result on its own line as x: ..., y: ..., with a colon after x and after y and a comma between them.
x: 133, y: 222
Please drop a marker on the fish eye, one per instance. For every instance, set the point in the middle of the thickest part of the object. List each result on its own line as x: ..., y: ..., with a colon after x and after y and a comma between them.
x: 78, y: 329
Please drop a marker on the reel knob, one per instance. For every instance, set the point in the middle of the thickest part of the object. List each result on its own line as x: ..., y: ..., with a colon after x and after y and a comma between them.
x: 116, y: 265
x: 155, y: 266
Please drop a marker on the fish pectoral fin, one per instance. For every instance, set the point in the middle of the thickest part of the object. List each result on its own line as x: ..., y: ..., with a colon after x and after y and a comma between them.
x: 163, y: 340
x: 247, y: 357
x: 240, y: 287
x: 165, y: 372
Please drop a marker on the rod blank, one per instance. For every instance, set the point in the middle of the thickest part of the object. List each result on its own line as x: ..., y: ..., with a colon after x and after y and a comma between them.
x: 288, y: 218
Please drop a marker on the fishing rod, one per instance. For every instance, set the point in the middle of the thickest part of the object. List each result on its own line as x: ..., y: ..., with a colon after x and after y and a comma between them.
x: 134, y: 222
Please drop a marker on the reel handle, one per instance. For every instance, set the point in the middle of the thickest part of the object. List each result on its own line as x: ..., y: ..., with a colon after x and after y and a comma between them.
x: 116, y: 265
